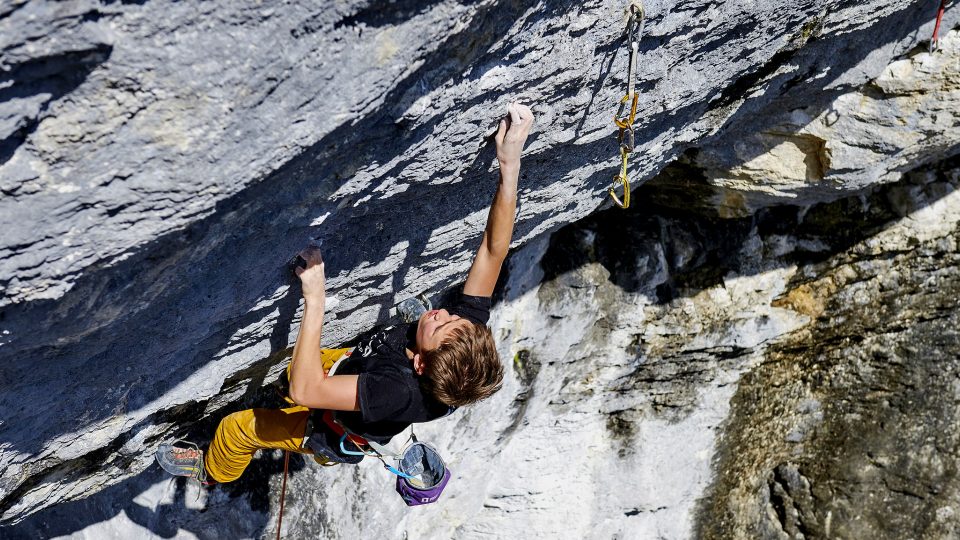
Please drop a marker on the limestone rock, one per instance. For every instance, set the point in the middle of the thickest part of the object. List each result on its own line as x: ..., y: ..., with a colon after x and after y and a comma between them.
x: 161, y: 162
x: 848, y: 426
x: 905, y: 117
x: 673, y: 375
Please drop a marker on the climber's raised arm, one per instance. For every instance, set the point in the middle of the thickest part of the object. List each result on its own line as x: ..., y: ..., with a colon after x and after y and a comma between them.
x: 309, y: 384
x: 511, y: 135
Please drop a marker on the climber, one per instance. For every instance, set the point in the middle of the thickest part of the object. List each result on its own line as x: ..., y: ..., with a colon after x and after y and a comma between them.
x: 399, y: 375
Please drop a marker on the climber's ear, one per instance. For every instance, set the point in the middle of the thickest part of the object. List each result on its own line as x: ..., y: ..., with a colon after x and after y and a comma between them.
x: 418, y: 364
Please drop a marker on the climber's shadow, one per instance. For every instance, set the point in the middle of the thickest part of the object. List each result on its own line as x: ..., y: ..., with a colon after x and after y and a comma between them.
x: 144, y: 500
x: 164, y: 506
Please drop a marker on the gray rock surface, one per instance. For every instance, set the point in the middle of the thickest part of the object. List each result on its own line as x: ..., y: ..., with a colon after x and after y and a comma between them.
x: 848, y: 427
x: 905, y: 117
x: 675, y: 375
x: 159, y: 163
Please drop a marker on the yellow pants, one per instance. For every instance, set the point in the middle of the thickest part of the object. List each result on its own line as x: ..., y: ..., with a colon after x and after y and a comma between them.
x: 242, y: 433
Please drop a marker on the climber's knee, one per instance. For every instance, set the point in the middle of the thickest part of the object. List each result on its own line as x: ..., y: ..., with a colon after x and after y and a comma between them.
x: 232, y: 447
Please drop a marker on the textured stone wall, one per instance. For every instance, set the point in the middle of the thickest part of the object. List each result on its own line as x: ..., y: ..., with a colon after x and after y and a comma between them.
x: 787, y: 374
x: 160, y: 162
x: 848, y: 427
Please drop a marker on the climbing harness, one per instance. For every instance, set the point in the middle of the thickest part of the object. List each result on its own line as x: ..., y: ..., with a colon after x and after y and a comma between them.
x: 283, y: 490
x: 936, y: 27
x: 625, y: 125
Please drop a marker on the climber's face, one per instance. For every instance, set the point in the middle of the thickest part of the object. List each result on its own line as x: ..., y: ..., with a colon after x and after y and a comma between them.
x: 435, y: 327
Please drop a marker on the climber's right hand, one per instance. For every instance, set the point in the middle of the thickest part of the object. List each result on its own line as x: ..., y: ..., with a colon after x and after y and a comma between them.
x: 312, y: 277
x: 512, y: 134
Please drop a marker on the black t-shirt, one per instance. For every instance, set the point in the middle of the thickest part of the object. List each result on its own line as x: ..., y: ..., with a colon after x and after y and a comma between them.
x: 388, y: 389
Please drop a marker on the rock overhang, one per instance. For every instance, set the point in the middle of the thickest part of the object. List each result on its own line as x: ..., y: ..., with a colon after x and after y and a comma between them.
x: 152, y: 206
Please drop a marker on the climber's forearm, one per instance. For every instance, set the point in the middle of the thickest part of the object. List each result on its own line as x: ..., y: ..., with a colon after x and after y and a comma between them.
x: 485, y: 269
x: 503, y: 212
x: 306, y: 366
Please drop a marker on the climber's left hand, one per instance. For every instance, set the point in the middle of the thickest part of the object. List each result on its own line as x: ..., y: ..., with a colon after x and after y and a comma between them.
x: 312, y: 277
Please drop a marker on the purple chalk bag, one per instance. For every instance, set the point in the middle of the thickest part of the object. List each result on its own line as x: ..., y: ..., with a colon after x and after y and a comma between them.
x: 423, y: 474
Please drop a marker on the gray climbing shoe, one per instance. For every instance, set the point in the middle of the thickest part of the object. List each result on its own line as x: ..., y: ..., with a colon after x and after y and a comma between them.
x: 182, y: 458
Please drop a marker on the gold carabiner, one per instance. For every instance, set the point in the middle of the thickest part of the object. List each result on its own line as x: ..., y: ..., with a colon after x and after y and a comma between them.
x: 624, y: 124
x: 623, y: 180
x: 626, y: 139
x: 625, y: 203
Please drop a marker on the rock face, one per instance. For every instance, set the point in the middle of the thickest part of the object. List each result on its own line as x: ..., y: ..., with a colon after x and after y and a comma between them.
x: 710, y: 363
x: 848, y: 426
x: 903, y: 118
x: 791, y: 373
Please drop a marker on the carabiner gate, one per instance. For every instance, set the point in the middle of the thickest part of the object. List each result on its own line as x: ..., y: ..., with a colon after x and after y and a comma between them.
x: 626, y: 139
x: 625, y: 203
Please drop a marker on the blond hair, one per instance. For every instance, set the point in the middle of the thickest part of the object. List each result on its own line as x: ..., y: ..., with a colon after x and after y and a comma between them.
x: 465, y: 368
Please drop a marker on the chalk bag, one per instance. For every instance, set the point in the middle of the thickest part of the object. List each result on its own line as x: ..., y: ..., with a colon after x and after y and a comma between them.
x: 424, y: 474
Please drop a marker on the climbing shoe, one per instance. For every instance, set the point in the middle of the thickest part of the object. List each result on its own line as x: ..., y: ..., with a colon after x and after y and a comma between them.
x: 183, y: 458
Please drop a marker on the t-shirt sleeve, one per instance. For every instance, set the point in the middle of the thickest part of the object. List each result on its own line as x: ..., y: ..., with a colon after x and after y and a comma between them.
x: 474, y: 308
x: 382, y: 395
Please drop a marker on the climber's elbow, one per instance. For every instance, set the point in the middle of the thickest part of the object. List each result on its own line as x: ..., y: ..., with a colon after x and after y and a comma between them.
x: 299, y: 393
x: 337, y: 393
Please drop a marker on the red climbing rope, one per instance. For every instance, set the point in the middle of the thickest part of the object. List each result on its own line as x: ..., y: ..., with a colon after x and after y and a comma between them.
x: 283, y: 489
x: 936, y: 27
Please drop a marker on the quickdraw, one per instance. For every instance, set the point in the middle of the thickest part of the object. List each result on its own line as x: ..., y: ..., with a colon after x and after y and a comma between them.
x: 625, y: 125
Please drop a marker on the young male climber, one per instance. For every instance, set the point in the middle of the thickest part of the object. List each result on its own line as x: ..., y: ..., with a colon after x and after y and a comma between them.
x: 397, y: 376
